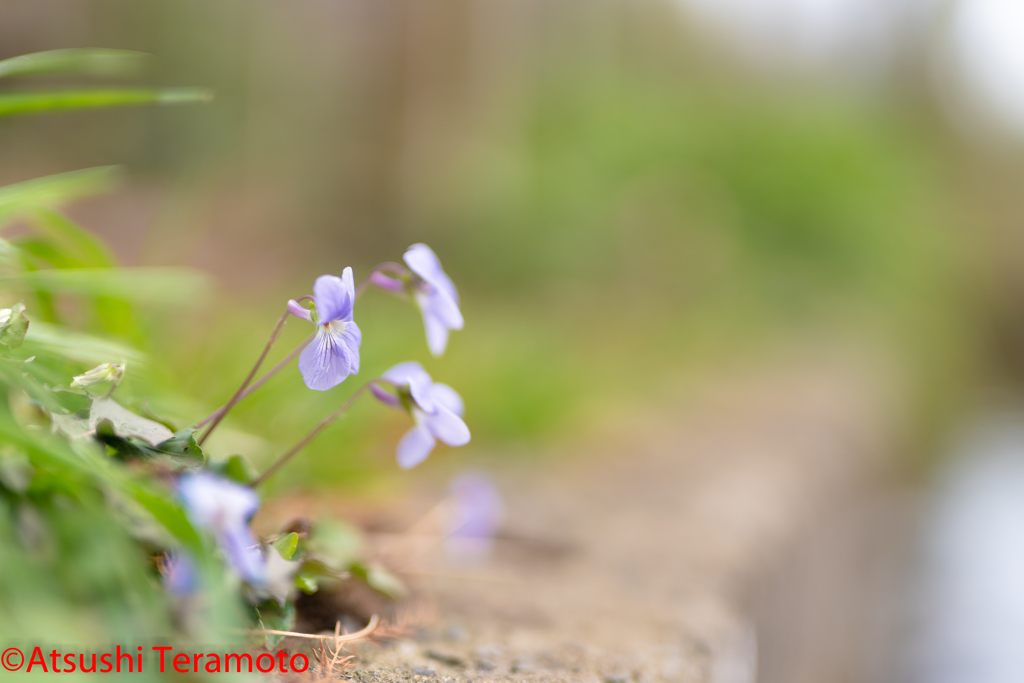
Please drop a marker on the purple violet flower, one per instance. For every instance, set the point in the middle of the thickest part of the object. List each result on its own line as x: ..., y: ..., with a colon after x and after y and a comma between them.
x: 436, y: 408
x: 224, y: 508
x: 334, y: 354
x: 476, y: 514
x: 180, y: 574
x: 433, y: 292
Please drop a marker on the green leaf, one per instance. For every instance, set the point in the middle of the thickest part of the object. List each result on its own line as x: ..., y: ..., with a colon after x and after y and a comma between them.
x: 90, y: 61
x: 306, y: 583
x: 80, y: 245
x: 386, y: 583
x: 128, y: 435
x: 379, y: 579
x: 148, y: 285
x: 336, y: 543
x: 273, y: 617
x: 183, y: 443
x: 238, y: 468
x: 13, y: 325
x: 286, y: 545
x: 87, y: 462
x: 12, y: 104
x: 123, y: 423
x: 128, y: 424
x: 57, y: 189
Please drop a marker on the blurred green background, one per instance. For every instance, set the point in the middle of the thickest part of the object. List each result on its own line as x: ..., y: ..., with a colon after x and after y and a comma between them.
x: 622, y: 199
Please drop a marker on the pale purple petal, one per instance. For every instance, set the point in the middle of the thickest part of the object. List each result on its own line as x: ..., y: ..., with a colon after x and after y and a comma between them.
x: 403, y: 373
x: 385, y: 397
x: 478, y: 507
x: 477, y: 513
x: 213, y: 502
x: 180, y: 575
x: 387, y: 282
x: 224, y: 507
x: 412, y: 375
x: 447, y: 426
x: 414, y: 447
x: 352, y: 337
x: 448, y: 398
x: 243, y: 553
x: 349, y: 284
x: 442, y: 307
x: 327, y: 361
x: 437, y: 333
x: 334, y: 297
x: 422, y: 260
x: 299, y: 311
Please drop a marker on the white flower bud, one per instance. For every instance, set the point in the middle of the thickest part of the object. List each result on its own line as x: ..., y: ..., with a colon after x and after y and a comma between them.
x: 107, y: 372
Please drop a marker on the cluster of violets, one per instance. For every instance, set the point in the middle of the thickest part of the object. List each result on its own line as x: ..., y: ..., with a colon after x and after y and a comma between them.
x: 225, y: 507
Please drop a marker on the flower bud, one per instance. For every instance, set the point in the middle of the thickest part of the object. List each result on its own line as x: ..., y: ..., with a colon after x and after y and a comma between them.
x: 108, y: 372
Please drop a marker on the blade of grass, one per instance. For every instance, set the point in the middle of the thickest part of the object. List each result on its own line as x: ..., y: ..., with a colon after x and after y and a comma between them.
x: 12, y: 104
x: 59, y: 188
x: 90, y: 61
x: 85, y: 248
x: 78, y: 346
x: 150, y: 285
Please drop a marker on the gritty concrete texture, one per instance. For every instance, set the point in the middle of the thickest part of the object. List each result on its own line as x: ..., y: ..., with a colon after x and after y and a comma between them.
x: 631, y: 556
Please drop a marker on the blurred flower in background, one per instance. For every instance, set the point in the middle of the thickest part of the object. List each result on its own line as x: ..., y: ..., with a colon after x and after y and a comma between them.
x: 225, y: 508
x: 474, y: 518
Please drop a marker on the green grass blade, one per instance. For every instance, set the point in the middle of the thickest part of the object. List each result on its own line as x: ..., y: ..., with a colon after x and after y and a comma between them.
x: 13, y: 104
x: 147, y: 285
x: 77, y: 243
x: 90, y: 61
x: 56, y: 189
x: 78, y: 346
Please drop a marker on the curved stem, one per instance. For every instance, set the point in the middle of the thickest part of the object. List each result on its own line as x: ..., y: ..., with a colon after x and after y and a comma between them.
x: 245, y: 389
x: 262, y: 380
x: 316, y: 430
x: 395, y: 268
x: 252, y: 373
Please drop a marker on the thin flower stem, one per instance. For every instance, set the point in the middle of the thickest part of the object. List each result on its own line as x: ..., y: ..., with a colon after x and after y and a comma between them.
x: 258, y: 383
x: 316, y: 430
x: 252, y: 373
x: 395, y: 268
x: 245, y: 389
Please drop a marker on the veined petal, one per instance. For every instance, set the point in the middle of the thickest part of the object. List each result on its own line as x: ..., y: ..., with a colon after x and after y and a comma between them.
x: 422, y: 260
x: 351, y: 336
x: 447, y: 426
x: 334, y: 297
x: 414, y: 447
x: 326, y: 362
x: 447, y: 397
